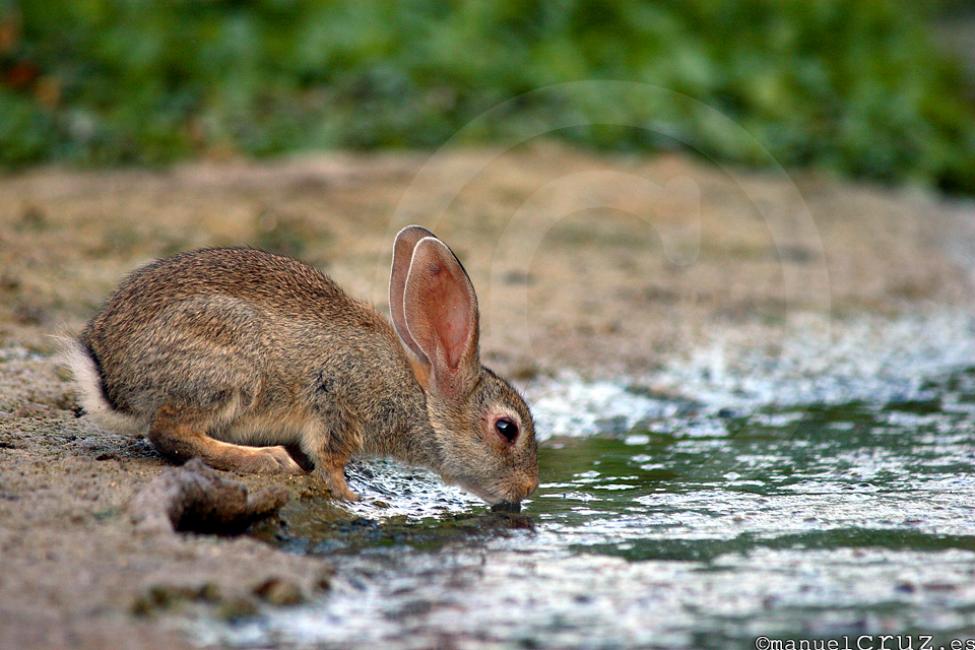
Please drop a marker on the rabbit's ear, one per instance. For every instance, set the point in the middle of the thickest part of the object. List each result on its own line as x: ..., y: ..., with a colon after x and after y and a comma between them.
x: 441, y: 314
x: 402, y: 256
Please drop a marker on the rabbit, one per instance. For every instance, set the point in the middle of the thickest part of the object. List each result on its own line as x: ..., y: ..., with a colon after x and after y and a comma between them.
x: 250, y: 360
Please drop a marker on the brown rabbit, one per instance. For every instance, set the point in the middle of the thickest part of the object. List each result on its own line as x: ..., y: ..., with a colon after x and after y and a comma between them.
x: 215, y: 349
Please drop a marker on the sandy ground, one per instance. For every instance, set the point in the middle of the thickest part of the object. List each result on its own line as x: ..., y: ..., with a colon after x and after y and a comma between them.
x: 596, y: 264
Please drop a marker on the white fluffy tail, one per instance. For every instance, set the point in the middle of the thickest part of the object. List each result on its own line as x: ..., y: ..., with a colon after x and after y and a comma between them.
x: 89, y: 383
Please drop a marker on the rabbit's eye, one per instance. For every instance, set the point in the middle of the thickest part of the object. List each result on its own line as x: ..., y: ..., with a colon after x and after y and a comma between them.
x: 507, y: 429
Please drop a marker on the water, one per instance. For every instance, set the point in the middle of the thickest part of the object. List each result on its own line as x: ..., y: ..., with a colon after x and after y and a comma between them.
x: 696, y: 527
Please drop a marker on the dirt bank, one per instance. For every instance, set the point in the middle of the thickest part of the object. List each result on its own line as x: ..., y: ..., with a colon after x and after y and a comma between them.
x: 602, y: 265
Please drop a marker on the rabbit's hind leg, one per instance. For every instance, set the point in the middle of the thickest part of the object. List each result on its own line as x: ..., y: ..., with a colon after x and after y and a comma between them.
x: 179, y: 434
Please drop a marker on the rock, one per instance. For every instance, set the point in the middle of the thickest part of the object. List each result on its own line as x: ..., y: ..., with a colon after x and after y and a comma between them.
x: 234, y: 609
x: 324, y: 580
x: 161, y: 598
x: 196, y: 498
x: 279, y: 592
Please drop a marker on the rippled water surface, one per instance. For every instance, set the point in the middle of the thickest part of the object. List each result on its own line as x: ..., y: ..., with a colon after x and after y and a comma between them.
x: 696, y: 526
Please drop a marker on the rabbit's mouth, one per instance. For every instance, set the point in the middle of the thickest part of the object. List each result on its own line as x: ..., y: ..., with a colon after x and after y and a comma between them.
x: 492, y: 496
x: 486, y: 495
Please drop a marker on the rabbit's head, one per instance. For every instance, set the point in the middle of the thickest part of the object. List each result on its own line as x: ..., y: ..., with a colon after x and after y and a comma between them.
x: 484, y: 431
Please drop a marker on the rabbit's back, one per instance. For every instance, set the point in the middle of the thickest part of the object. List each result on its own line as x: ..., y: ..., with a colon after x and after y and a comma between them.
x: 233, y: 328
x: 270, y: 281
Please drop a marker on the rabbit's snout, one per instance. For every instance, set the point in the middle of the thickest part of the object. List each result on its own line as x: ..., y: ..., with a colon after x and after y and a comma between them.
x: 506, y: 492
x: 521, y: 488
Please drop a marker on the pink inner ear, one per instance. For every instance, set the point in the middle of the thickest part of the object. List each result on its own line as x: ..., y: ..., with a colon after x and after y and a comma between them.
x: 446, y: 300
x: 441, y: 309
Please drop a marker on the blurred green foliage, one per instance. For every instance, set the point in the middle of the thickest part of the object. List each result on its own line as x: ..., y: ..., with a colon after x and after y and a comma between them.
x: 858, y: 87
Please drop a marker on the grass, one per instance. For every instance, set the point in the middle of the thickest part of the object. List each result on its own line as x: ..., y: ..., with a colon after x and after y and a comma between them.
x: 855, y: 87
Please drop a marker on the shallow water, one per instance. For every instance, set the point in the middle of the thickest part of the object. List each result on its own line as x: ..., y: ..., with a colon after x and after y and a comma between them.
x: 699, y: 527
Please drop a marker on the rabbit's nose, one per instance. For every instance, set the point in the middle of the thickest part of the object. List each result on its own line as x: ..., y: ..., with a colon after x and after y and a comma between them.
x: 529, y: 486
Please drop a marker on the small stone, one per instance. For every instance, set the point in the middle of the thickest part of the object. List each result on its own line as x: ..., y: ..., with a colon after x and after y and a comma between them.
x: 279, y: 592
x: 208, y: 592
x: 236, y: 609
x: 161, y: 598
x: 324, y: 581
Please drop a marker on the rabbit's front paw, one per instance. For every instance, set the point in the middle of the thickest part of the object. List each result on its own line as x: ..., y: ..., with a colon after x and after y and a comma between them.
x: 335, y: 480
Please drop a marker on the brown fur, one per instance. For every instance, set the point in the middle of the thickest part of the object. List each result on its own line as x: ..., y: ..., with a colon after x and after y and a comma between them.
x: 215, y: 349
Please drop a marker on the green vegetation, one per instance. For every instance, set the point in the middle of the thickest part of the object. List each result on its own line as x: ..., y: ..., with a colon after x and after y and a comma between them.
x: 857, y: 87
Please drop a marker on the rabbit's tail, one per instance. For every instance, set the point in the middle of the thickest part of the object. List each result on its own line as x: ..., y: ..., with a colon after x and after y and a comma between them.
x: 91, y: 387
